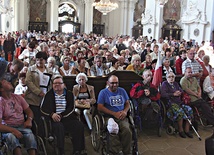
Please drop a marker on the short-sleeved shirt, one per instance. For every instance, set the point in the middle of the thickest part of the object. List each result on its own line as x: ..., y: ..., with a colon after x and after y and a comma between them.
x: 194, y: 85
x: 114, y: 101
x: 195, y: 65
x: 11, y: 110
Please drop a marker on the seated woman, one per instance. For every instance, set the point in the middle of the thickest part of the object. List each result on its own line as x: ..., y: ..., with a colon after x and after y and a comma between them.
x: 136, y: 65
x: 169, y: 56
x: 51, y: 64
x: 81, y: 67
x: 148, y: 62
x: 208, y: 85
x: 66, y: 69
x: 171, y: 91
x: 166, y: 69
x: 84, y: 94
x: 115, y: 65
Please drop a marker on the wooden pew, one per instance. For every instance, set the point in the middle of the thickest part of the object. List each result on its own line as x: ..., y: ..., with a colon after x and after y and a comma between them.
x: 126, y: 80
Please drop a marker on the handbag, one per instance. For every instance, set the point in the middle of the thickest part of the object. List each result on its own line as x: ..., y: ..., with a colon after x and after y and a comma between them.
x: 82, y: 105
x: 186, y: 98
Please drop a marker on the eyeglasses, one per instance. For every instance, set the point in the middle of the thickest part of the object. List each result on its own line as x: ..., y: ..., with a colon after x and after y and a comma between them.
x: 114, y: 83
x: 58, y: 83
x: 171, y: 77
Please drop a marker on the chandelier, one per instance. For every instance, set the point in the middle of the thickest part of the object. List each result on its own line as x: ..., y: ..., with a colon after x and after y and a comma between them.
x: 105, y: 6
x: 162, y: 2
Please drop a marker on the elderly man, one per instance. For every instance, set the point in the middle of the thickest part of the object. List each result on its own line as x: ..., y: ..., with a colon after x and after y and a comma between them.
x: 191, y: 86
x: 194, y: 64
x: 13, y: 125
x: 99, y: 69
x: 145, y: 92
x: 58, y: 105
x: 113, y: 101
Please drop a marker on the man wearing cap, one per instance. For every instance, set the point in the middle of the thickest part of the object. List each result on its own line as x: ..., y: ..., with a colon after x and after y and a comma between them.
x: 113, y: 101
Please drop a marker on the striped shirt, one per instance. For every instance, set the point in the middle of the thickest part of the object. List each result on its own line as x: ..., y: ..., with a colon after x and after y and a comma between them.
x: 195, y: 65
x: 60, y: 103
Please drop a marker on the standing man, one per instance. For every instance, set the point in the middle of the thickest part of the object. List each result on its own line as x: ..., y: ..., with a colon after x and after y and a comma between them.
x: 193, y: 64
x: 9, y: 47
x: 114, y: 103
x: 58, y: 105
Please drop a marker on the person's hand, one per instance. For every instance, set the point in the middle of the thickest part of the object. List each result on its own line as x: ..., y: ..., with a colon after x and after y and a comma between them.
x: 28, y: 123
x: 17, y: 133
x: 123, y: 115
x: 199, y: 95
x: 198, y: 75
x: 177, y: 93
x: 42, y: 94
x: 56, y: 117
x: 120, y: 115
x: 146, y: 92
x: 117, y: 115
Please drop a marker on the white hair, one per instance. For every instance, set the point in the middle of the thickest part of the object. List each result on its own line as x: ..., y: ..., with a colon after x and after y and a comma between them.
x: 83, y: 75
x: 135, y: 57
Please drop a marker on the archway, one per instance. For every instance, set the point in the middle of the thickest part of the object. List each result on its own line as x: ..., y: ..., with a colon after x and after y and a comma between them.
x: 68, y: 20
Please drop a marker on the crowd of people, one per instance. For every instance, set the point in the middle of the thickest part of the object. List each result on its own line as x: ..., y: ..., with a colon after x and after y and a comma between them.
x: 34, y: 63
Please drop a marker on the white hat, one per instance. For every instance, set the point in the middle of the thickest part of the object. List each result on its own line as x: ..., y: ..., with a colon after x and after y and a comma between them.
x: 112, y: 126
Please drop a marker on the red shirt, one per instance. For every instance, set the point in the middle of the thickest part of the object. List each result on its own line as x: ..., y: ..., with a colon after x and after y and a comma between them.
x: 178, y: 66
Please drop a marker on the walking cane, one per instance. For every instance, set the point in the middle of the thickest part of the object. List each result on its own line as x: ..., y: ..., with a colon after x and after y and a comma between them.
x: 191, y: 124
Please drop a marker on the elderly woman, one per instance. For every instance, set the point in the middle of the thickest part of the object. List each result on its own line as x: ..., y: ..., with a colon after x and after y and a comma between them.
x: 51, y: 64
x: 166, y: 67
x: 206, y: 60
x: 84, y: 97
x: 66, y: 69
x: 177, y: 111
x: 208, y: 85
x: 136, y: 65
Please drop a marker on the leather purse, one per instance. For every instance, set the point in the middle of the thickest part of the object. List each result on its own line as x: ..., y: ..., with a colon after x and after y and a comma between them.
x: 82, y: 105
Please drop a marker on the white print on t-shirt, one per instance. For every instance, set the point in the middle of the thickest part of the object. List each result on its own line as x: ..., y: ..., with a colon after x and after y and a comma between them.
x: 116, y: 100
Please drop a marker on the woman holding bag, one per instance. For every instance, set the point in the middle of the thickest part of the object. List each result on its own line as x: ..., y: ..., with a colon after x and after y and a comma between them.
x: 84, y: 97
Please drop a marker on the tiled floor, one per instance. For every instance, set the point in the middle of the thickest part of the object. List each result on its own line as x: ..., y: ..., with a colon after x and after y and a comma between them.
x: 150, y: 144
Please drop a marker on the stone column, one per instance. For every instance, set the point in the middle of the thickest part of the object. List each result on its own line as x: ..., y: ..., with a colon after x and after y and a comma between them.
x: 54, y: 15
x: 149, y: 19
x: 17, y: 15
x: 88, y: 16
x: 130, y: 22
x: 122, y: 16
x: 159, y: 15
